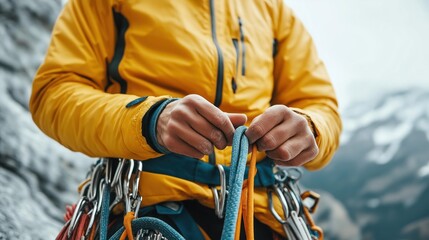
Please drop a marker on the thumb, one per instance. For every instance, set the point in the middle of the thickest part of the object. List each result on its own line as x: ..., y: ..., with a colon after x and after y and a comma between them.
x: 237, y: 119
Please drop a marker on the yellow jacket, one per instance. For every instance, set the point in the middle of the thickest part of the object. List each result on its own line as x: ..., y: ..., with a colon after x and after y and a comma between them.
x: 241, y: 55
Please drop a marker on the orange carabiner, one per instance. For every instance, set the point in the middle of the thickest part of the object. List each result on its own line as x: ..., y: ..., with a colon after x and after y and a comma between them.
x: 315, y: 197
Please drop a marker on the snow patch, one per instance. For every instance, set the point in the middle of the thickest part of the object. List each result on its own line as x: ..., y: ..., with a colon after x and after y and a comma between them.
x: 424, y: 171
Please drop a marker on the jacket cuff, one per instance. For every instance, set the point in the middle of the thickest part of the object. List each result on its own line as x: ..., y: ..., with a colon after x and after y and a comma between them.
x: 309, y: 121
x: 150, y: 122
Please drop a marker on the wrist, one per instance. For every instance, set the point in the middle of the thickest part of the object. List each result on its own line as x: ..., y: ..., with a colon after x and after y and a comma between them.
x: 150, y: 123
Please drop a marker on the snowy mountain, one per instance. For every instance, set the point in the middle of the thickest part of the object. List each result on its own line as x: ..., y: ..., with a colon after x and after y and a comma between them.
x: 381, y: 172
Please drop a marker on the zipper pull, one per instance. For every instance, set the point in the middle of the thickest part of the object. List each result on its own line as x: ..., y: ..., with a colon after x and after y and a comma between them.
x: 243, y: 48
x: 234, y: 85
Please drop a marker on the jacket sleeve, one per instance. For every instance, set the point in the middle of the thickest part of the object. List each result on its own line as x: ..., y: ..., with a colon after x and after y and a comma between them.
x: 68, y: 101
x: 302, y: 83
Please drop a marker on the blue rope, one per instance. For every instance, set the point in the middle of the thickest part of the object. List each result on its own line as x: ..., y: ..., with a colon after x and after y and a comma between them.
x: 240, y: 147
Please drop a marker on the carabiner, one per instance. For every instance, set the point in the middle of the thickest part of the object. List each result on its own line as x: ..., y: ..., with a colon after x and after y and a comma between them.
x: 118, y: 172
x: 219, y: 199
x: 76, y: 215
x: 283, y: 202
x: 138, y: 168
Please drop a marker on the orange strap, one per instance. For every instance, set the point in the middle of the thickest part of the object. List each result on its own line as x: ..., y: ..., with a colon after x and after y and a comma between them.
x: 307, y: 211
x: 128, y: 228
x: 82, y: 184
x: 79, y: 232
x: 246, y: 209
x: 93, y: 231
x: 313, y: 226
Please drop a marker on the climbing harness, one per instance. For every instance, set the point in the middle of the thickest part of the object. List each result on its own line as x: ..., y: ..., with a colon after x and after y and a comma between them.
x: 112, y: 187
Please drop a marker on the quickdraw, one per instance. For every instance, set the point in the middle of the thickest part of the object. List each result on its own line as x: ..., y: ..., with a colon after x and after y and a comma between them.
x: 91, y: 213
x: 295, y: 218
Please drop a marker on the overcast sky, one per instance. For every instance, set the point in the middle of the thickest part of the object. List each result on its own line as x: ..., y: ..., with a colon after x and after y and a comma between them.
x: 370, y: 46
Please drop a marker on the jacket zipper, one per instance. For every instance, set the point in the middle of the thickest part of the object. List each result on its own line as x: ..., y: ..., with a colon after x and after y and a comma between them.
x: 243, y: 48
x: 219, y: 79
x: 237, y: 53
x: 243, y: 56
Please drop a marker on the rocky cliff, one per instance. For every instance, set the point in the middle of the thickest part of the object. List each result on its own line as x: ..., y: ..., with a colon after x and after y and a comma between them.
x: 37, y: 175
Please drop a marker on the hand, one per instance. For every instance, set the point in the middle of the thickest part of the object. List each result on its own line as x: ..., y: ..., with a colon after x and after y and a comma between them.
x: 284, y: 135
x: 191, y: 126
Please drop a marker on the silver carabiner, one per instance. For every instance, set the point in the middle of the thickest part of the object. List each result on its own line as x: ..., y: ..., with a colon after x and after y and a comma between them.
x: 283, y: 202
x: 118, y: 172
x: 126, y: 186
x: 95, y: 181
x: 76, y: 215
x: 93, y: 213
x: 219, y: 197
x: 291, y: 199
x: 100, y: 194
x: 138, y: 168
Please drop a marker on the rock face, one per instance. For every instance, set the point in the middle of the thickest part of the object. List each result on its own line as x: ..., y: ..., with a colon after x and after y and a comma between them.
x: 37, y: 175
x: 376, y: 187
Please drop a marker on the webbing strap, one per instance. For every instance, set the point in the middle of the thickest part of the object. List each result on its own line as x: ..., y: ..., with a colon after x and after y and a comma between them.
x: 195, y: 170
x: 183, y: 221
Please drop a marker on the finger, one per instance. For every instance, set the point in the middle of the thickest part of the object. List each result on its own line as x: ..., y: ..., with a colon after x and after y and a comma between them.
x: 179, y: 146
x: 193, y: 138
x: 221, y: 121
x: 276, y: 137
x: 208, y: 131
x: 264, y: 123
x: 303, y: 158
x: 189, y: 117
x: 289, y: 149
x: 211, y: 113
x: 237, y: 119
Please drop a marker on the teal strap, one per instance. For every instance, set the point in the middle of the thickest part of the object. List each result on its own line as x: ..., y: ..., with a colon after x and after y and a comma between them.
x: 180, y: 217
x: 104, y: 217
x: 240, y: 147
x: 183, y: 221
x: 150, y: 223
x: 195, y: 170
